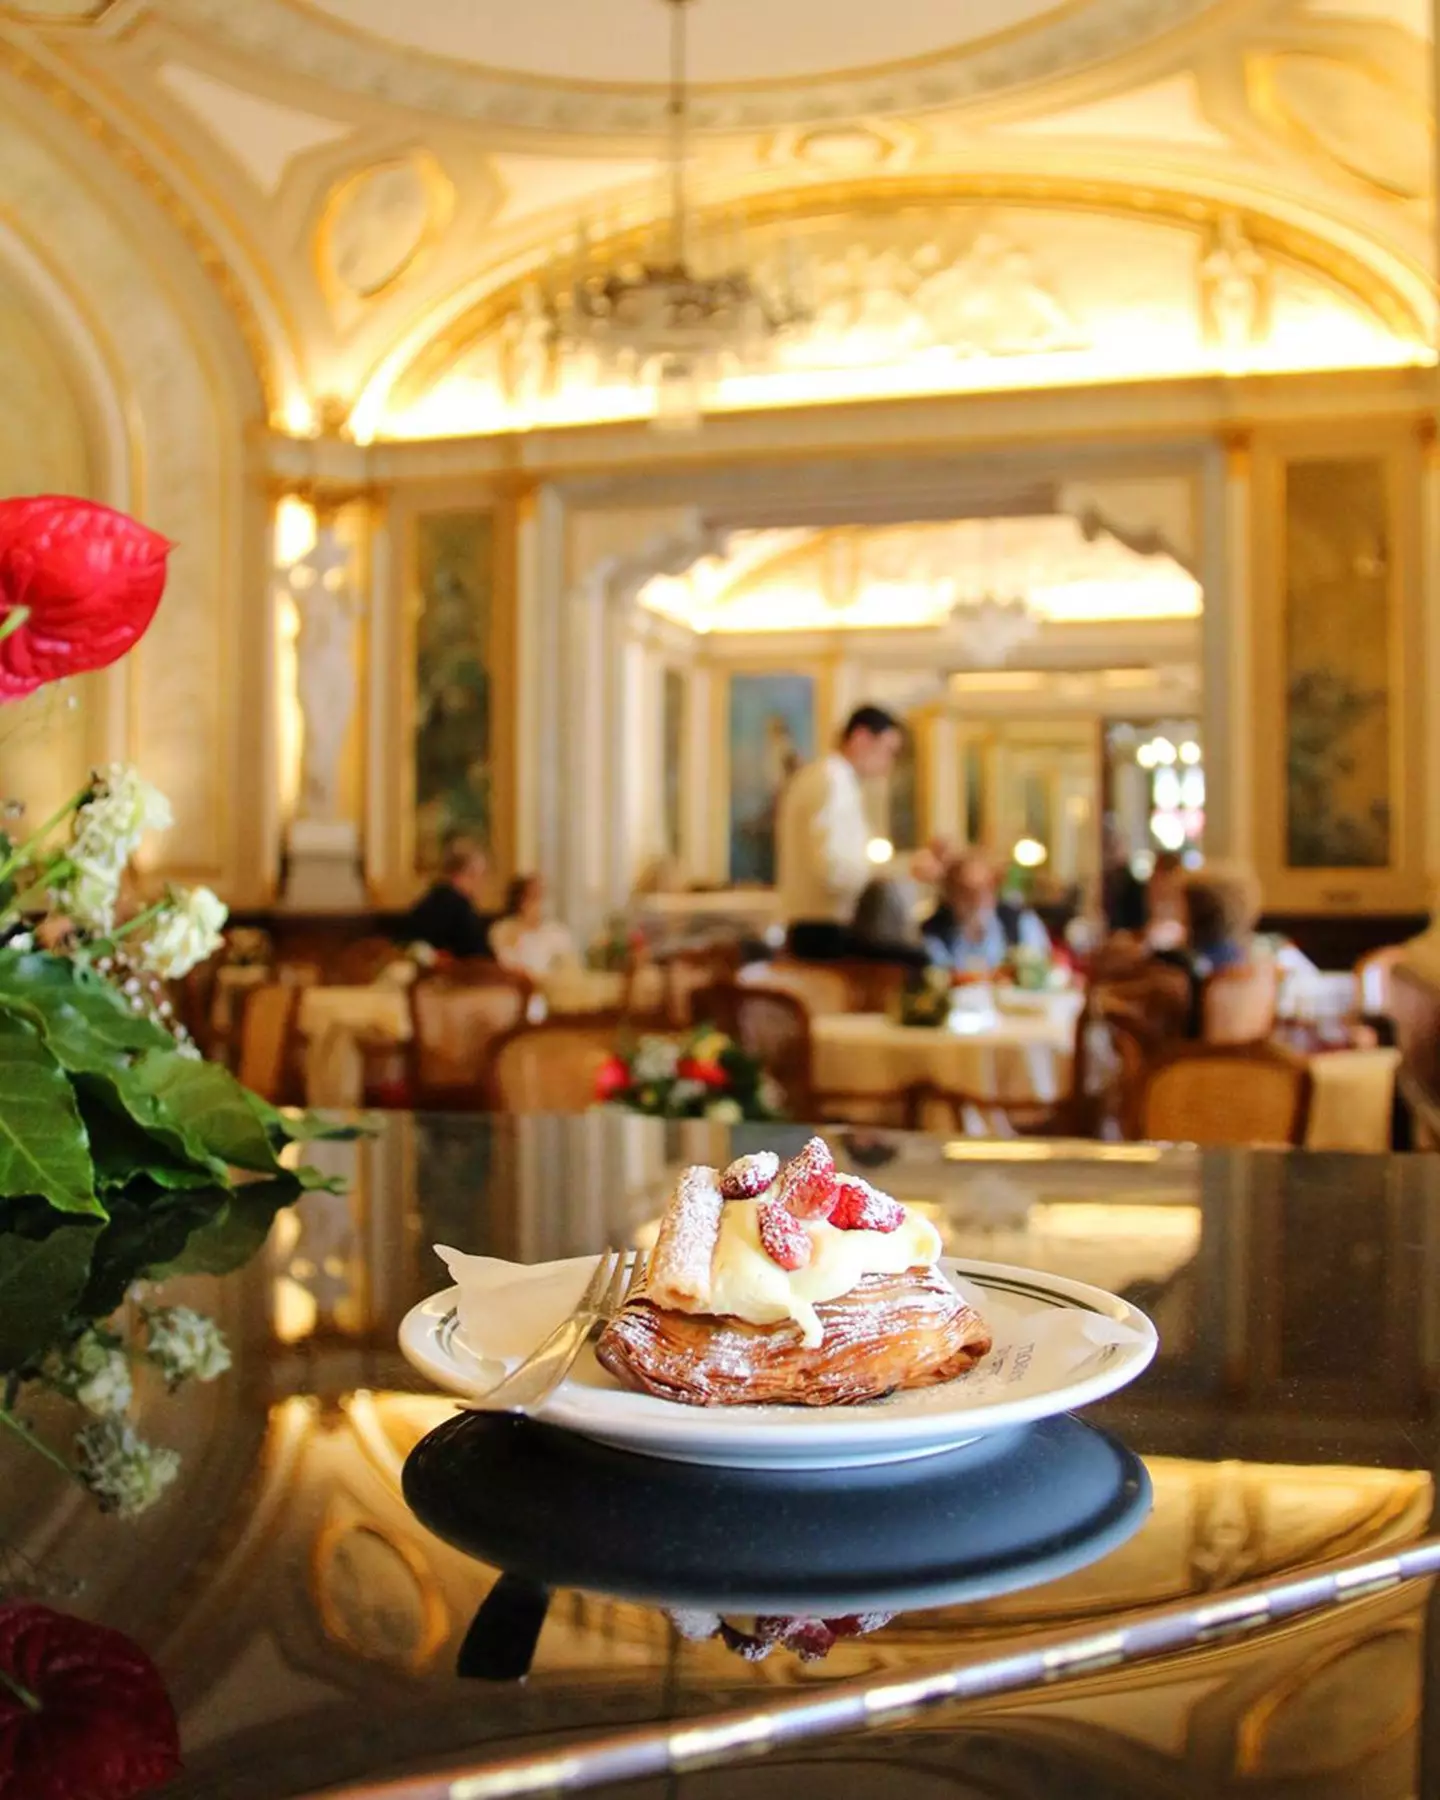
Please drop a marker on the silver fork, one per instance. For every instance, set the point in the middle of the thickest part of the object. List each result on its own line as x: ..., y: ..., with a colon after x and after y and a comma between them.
x: 617, y: 1276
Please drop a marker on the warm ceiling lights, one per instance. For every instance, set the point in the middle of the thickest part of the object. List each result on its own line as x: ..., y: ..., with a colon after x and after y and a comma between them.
x: 660, y: 315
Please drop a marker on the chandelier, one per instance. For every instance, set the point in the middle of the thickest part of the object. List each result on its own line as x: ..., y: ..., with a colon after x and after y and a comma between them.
x: 659, y: 317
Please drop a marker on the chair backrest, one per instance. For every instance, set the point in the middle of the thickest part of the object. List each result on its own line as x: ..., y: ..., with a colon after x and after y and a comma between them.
x: 358, y: 964
x: 268, y: 1043
x: 551, y: 1068
x: 773, y: 1026
x: 687, y: 973
x: 1373, y: 979
x: 1225, y: 1094
x: 1238, y: 1005
x: 455, y: 1017
x: 821, y: 987
x: 874, y: 986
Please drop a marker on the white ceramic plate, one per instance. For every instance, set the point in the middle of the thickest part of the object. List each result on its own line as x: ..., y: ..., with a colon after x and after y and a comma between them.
x: 1060, y: 1344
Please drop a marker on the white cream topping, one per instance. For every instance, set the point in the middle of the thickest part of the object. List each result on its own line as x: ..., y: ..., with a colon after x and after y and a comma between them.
x: 746, y: 1284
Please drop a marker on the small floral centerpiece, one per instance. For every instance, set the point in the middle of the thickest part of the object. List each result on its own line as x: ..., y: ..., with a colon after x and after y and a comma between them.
x: 925, y: 999
x: 118, y: 1144
x: 614, y: 946
x: 1037, y: 971
x: 707, y: 1076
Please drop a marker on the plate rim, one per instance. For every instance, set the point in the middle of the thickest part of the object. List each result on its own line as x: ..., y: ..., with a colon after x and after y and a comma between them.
x: 811, y: 1433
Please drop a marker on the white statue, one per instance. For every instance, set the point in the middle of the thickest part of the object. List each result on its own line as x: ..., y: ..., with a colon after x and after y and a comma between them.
x: 1233, y: 275
x: 325, y: 673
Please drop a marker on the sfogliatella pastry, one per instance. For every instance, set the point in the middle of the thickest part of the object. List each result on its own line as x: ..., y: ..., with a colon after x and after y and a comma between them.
x: 792, y: 1286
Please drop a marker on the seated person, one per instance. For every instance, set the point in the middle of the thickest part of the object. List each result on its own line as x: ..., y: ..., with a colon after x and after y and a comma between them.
x: 1165, y: 914
x: 884, y: 928
x: 448, y: 917
x: 523, y: 938
x: 972, y: 930
x: 1221, y: 907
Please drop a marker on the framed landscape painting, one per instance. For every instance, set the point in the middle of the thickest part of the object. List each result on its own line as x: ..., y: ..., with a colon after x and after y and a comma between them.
x: 771, y: 733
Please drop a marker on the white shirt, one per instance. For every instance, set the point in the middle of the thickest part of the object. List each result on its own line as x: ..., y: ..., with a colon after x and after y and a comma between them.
x: 821, y: 836
x: 535, y: 951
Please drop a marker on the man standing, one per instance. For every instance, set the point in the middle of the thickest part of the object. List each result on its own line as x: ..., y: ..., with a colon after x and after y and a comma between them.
x: 822, y: 835
x: 448, y: 917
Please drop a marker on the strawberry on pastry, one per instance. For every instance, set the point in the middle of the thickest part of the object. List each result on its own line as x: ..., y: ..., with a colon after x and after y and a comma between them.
x: 860, y: 1207
x: 784, y: 1239
x: 749, y: 1176
x: 807, y: 1182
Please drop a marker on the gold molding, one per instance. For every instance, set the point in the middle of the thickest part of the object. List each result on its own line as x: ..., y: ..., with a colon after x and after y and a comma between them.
x: 1270, y: 109
x: 440, y: 210
x: 1056, y: 13
x: 880, y: 195
x: 122, y: 153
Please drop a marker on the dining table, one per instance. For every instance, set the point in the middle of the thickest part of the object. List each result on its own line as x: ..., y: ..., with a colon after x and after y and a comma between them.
x: 350, y: 1583
x: 998, y: 1048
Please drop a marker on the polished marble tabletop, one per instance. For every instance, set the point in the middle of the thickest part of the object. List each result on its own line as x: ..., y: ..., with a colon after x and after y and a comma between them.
x: 313, y: 1632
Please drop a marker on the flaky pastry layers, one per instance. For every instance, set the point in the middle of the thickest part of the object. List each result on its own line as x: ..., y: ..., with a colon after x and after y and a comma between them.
x: 889, y: 1332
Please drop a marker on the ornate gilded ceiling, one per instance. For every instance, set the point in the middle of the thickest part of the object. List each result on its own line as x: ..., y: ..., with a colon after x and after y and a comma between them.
x: 1134, y: 187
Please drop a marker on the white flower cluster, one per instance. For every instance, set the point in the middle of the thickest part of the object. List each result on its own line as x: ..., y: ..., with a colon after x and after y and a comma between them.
x: 185, y: 933
x: 94, y: 1372
x: 125, y: 1474
x: 108, y: 828
x: 725, y: 1112
x: 655, y: 1060
x: 185, y: 1345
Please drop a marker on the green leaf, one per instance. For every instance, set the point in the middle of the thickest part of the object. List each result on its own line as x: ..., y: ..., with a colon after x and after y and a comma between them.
x: 143, y: 1236
x: 123, y: 1151
x: 209, y: 1104
x: 304, y: 1127
x: 84, y: 1018
x: 41, y: 1281
x: 235, y: 1233
x: 43, y: 1148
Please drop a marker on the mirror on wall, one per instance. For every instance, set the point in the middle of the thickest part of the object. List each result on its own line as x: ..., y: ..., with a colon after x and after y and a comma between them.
x: 1153, y: 788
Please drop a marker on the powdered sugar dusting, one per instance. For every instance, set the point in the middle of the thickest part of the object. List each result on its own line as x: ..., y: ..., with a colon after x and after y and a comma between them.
x: 679, y: 1273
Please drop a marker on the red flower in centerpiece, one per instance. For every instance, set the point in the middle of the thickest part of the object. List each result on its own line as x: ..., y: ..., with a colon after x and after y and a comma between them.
x: 83, y: 1712
x: 611, y: 1078
x: 79, y: 584
x: 691, y: 1068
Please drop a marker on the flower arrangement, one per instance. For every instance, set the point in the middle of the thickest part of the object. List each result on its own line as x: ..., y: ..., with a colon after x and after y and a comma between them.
x: 707, y: 1076
x: 1035, y: 970
x: 119, y: 1146
x: 925, y: 1000
x: 615, y: 946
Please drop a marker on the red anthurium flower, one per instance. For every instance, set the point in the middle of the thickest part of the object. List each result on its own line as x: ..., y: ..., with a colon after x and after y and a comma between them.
x: 79, y: 584
x: 83, y: 1712
x: 691, y: 1068
x: 611, y: 1078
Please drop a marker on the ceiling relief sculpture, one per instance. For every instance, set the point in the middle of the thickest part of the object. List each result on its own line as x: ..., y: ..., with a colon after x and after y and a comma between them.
x: 913, y: 576
x: 941, y: 300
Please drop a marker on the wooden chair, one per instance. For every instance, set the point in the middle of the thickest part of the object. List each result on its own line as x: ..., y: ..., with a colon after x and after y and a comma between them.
x: 1237, y: 1006
x: 687, y: 973
x: 456, y: 1015
x: 822, y: 987
x: 550, y: 1068
x: 773, y: 1026
x: 362, y: 962
x: 269, y: 1059
x: 1223, y: 1094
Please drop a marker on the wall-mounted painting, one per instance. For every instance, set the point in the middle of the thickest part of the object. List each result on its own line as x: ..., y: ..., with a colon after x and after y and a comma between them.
x: 672, y: 774
x: 1337, y: 665
x: 771, y: 733
x: 453, y: 773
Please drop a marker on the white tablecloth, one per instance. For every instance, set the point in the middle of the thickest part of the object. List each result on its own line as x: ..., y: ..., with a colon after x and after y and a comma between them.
x: 331, y: 1020
x: 1002, y: 1057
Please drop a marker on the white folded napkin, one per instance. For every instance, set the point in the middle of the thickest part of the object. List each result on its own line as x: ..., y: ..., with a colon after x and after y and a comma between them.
x: 507, y: 1308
